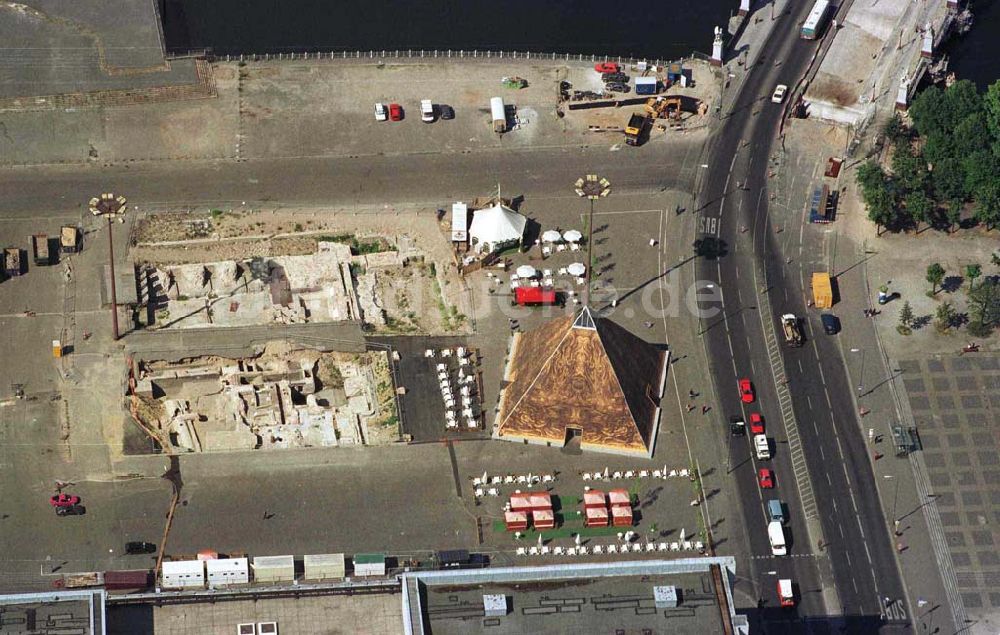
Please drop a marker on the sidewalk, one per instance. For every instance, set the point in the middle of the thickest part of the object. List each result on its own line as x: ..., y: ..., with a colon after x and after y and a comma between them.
x: 922, y: 555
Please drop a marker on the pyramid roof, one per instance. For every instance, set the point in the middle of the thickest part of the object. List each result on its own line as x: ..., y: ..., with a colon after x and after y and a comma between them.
x: 584, y: 372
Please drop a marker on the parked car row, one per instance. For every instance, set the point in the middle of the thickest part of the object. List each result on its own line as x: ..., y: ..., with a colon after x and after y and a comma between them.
x: 429, y: 111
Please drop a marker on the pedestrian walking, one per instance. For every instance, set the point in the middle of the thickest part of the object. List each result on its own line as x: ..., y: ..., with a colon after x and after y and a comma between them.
x: 704, y: 410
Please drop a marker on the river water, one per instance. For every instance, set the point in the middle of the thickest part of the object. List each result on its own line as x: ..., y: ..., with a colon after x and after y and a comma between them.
x: 666, y: 30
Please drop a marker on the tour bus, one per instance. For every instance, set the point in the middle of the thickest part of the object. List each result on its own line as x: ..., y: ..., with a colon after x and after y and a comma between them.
x: 814, y: 24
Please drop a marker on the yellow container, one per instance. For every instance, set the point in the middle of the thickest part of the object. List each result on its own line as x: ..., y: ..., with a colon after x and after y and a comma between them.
x: 56, y: 348
x: 822, y: 290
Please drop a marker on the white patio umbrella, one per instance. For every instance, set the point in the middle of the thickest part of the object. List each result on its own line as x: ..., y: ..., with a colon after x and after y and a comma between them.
x: 551, y: 236
x: 576, y: 269
x: 572, y: 236
x: 526, y: 271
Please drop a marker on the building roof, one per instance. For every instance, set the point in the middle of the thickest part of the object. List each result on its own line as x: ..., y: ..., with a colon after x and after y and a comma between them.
x: 496, y: 225
x: 584, y: 372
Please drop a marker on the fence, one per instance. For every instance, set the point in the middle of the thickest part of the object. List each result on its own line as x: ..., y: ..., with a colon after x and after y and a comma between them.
x: 373, y: 54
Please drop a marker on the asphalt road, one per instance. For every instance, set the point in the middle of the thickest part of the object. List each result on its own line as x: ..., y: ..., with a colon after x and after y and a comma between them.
x: 427, y: 179
x: 732, y: 200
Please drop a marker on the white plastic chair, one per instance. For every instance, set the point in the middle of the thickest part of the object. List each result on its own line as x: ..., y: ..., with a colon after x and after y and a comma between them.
x: 493, y: 492
x: 657, y: 474
x: 636, y: 547
x: 612, y: 548
x: 521, y: 551
x: 545, y: 550
x: 698, y: 545
x: 586, y: 476
x: 629, y: 474
x: 683, y: 472
x: 548, y: 478
x: 650, y: 546
x: 508, y: 479
x: 643, y: 473
x: 687, y: 545
x: 663, y: 546
x: 675, y: 547
x: 496, y: 480
x: 582, y: 550
x: 521, y: 479
x: 598, y: 550
x: 673, y: 473
x: 616, y: 475
x: 533, y: 551
x: 479, y: 492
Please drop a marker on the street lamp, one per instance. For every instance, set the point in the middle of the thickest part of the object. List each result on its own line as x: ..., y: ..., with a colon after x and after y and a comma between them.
x: 110, y: 206
x: 592, y: 187
x: 895, y: 497
x: 861, y: 376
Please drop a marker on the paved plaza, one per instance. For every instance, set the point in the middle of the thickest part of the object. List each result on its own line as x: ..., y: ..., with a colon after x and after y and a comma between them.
x: 953, y: 400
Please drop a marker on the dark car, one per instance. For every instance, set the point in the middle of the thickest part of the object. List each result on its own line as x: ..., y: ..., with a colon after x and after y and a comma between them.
x: 831, y: 323
x: 137, y: 547
x: 447, y: 112
x: 614, y: 77
x: 737, y: 427
x: 617, y: 87
x: 71, y: 510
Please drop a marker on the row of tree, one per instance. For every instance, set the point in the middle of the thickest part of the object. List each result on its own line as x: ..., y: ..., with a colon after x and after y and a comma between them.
x: 984, y: 302
x: 949, y: 158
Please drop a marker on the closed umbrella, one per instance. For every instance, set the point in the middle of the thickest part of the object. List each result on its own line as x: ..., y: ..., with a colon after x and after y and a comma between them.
x: 683, y: 534
x: 573, y: 236
x: 551, y: 236
x: 576, y: 269
x: 526, y: 271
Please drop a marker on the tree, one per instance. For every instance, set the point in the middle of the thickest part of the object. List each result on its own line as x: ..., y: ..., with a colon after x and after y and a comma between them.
x: 995, y: 259
x: 894, y: 130
x: 987, y: 198
x: 905, y: 319
x: 972, y: 272
x: 954, y: 212
x: 909, y: 168
x: 906, y: 314
x: 948, y: 179
x: 919, y: 207
x: 935, y: 275
x: 877, y: 194
x: 991, y: 105
x: 984, y: 307
x: 945, y: 315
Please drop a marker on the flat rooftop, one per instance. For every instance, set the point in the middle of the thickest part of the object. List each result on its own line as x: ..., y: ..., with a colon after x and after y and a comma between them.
x: 578, y: 598
x: 59, y: 613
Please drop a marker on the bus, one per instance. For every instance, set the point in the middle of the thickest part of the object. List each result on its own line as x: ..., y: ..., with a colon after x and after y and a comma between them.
x: 814, y: 24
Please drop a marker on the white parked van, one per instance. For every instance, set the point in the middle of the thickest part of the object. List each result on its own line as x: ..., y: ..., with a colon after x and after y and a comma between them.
x: 776, y: 536
x: 426, y: 111
x: 760, y: 446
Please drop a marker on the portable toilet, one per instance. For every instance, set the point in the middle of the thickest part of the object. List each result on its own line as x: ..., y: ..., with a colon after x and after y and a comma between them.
x: 56, y: 349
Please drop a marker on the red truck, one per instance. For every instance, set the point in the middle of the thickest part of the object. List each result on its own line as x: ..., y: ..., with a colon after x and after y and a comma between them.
x: 534, y: 296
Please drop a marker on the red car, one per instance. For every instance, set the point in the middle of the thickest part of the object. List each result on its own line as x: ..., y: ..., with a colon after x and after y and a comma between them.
x: 64, y: 500
x: 766, y: 478
x: 607, y: 67
x: 756, y: 423
x: 746, y: 391
x: 395, y: 112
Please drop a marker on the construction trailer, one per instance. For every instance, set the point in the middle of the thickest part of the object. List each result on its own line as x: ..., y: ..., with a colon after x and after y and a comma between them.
x: 227, y: 571
x: 182, y: 574
x: 369, y: 564
x: 324, y: 566
x: 274, y: 568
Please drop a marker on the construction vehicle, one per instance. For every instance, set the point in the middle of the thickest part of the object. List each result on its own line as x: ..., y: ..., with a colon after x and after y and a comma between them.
x: 636, y: 128
x: 11, y: 262
x: 822, y: 288
x: 793, y: 334
x: 40, y: 249
x: 659, y: 107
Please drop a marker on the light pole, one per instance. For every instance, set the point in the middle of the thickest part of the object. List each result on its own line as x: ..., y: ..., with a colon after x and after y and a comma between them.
x: 861, y: 375
x: 592, y: 187
x: 895, y: 497
x: 110, y: 207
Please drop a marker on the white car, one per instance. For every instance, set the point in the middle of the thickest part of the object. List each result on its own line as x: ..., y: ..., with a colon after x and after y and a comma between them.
x: 426, y: 110
x: 380, y: 112
x: 779, y: 94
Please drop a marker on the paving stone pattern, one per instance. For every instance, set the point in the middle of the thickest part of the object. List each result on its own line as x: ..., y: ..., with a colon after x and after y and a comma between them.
x: 954, y: 403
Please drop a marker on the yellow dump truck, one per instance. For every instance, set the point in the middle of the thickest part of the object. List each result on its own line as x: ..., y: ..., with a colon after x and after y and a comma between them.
x: 822, y: 290
x: 636, y: 128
